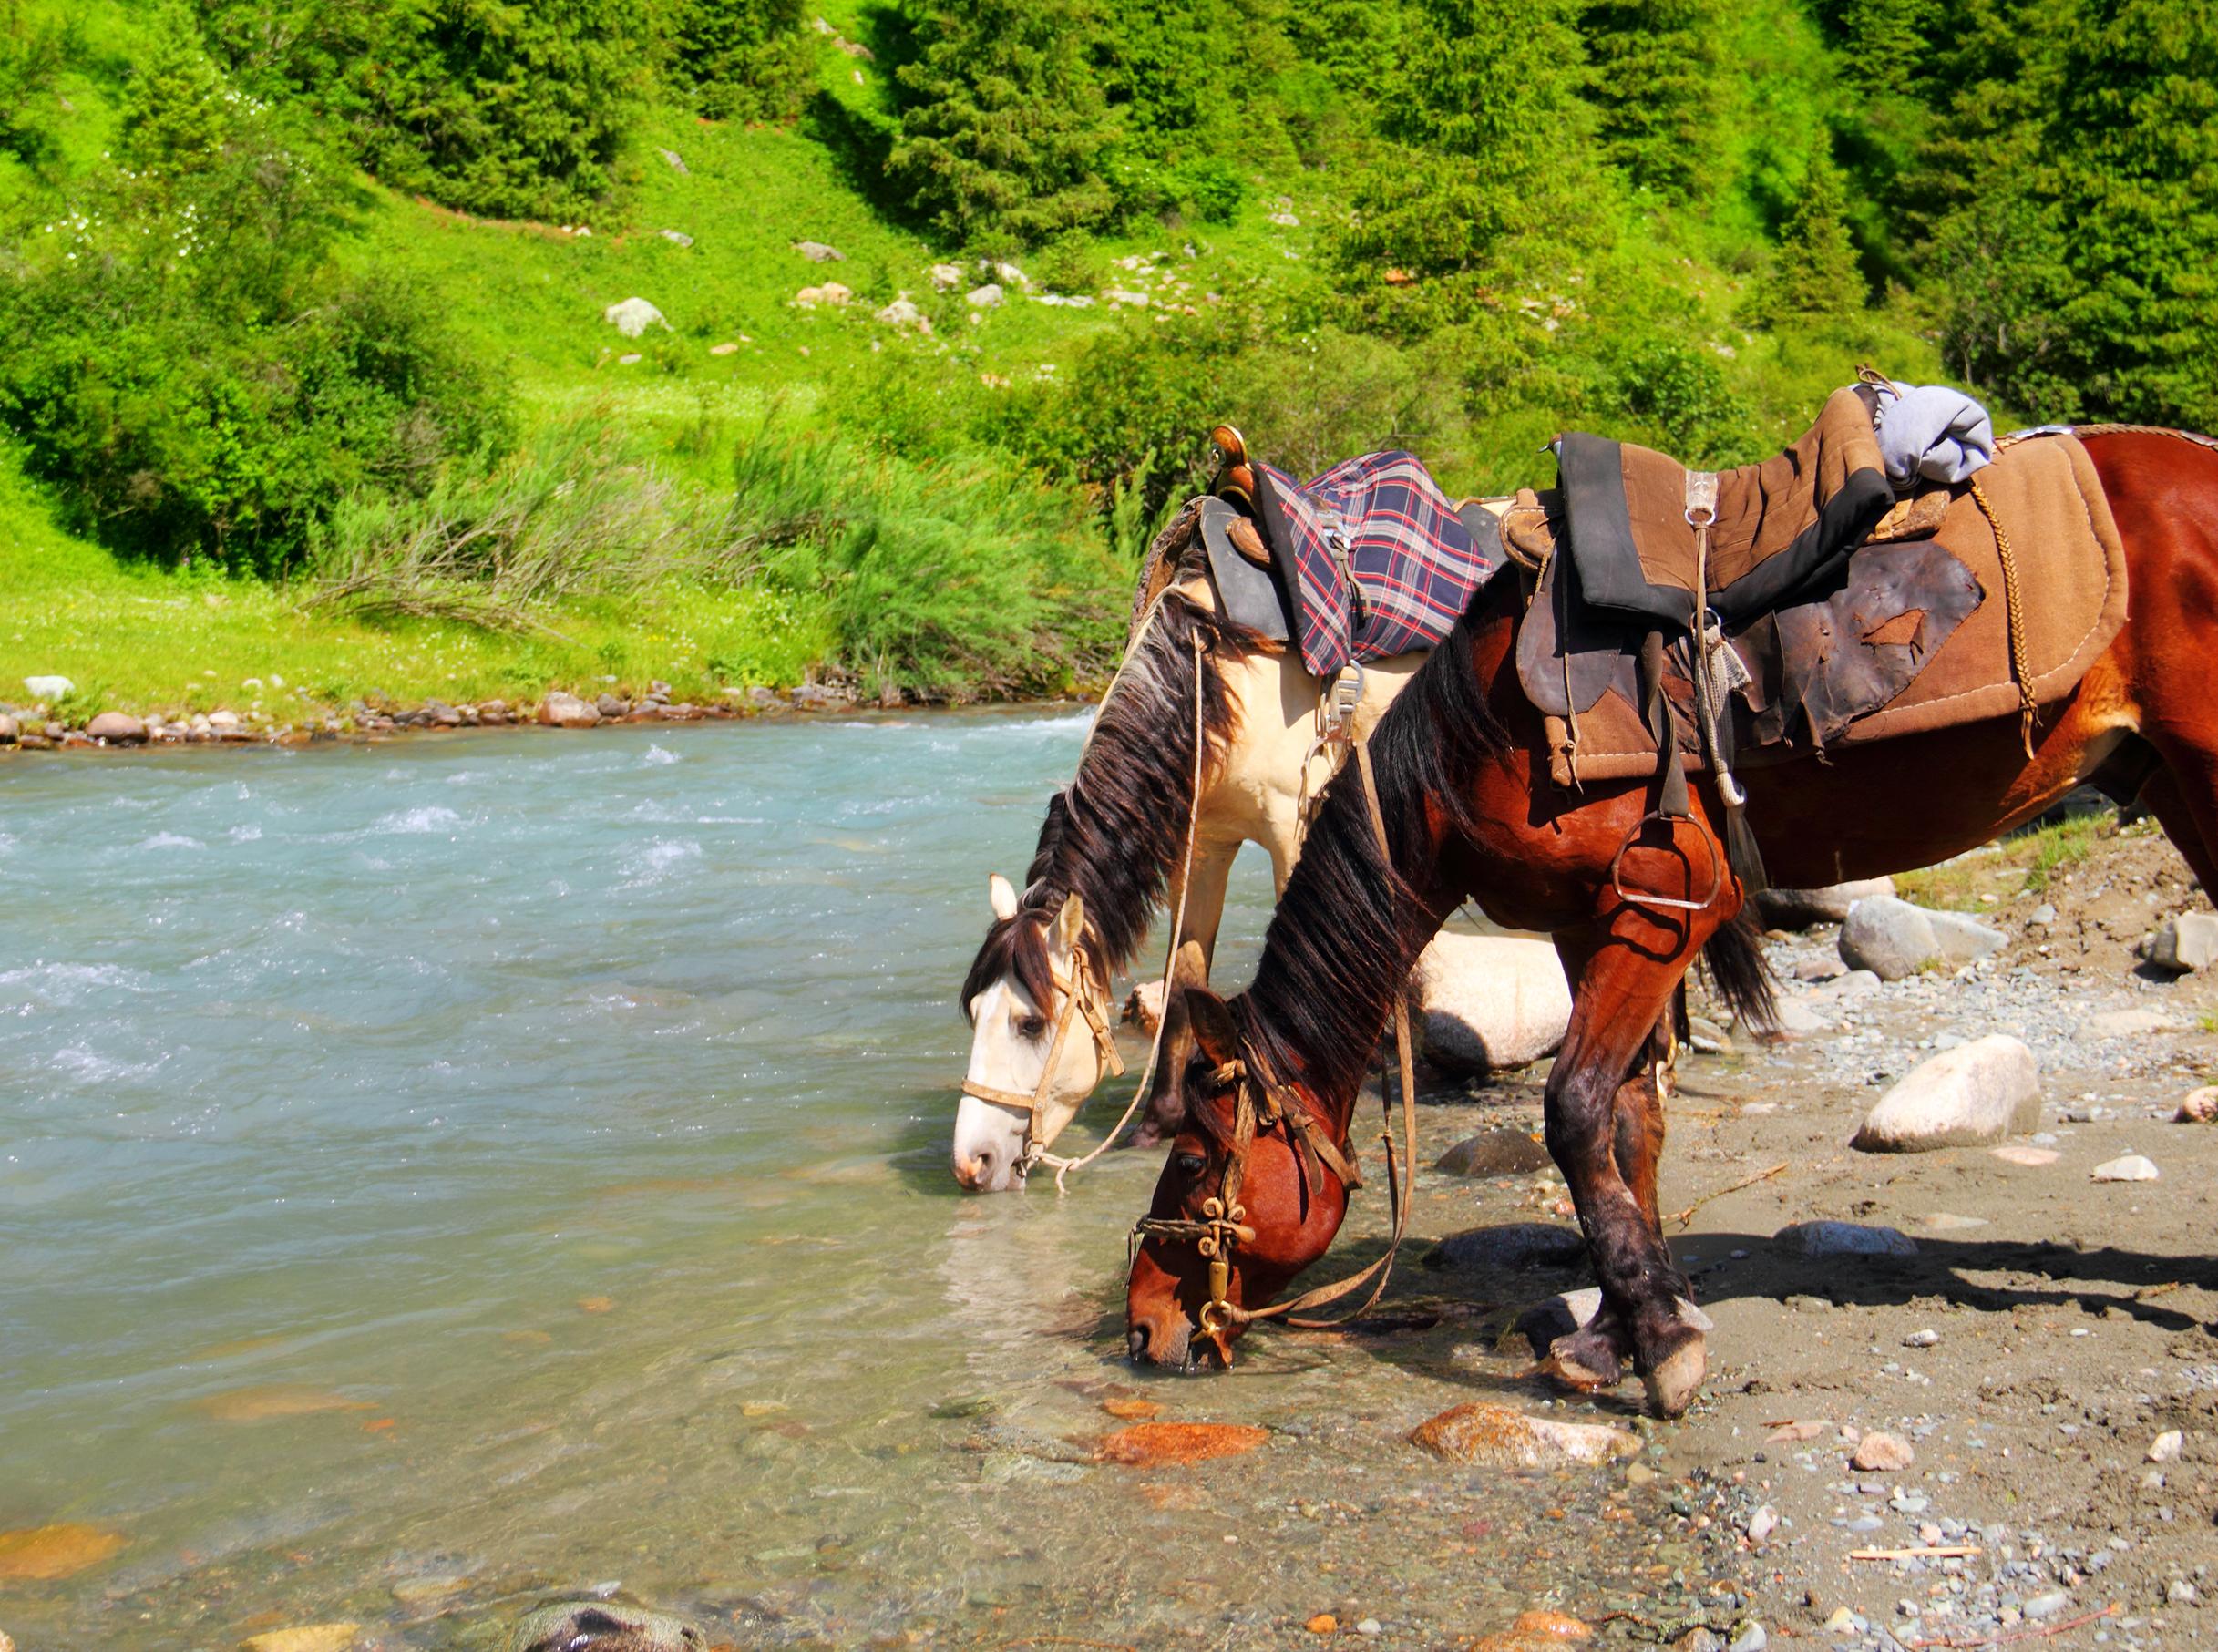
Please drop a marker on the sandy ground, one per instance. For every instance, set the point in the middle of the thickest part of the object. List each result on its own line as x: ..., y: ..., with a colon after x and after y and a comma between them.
x: 2048, y: 1332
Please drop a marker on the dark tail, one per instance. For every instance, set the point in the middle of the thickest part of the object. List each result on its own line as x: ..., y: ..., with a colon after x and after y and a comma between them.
x: 1733, y: 961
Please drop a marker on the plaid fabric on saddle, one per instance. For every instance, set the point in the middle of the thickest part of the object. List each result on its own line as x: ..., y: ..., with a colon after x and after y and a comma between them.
x: 1383, y: 520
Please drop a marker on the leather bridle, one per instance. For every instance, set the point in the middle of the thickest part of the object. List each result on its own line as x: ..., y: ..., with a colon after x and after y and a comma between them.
x: 1262, y: 1104
x: 1082, y: 995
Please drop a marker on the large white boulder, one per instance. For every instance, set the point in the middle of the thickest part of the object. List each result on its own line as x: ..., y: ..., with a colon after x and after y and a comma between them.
x: 1491, y: 1002
x: 1892, y: 938
x: 1977, y: 1093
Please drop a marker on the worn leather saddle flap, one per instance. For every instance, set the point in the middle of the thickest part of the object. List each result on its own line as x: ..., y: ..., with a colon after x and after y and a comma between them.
x: 1249, y: 595
x: 1567, y: 653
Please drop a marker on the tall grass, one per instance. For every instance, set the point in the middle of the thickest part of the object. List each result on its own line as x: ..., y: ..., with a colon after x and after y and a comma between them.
x: 944, y: 577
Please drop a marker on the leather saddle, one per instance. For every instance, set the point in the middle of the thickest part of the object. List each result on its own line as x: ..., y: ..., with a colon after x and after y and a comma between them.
x: 1640, y: 562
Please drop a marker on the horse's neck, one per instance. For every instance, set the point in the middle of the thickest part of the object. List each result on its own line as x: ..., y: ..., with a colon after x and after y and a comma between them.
x: 1337, y: 957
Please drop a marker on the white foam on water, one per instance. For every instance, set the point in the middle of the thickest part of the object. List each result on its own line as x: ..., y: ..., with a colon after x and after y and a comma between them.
x: 419, y: 821
x: 244, y: 834
x: 69, y: 983
x: 172, y: 840
x: 653, y: 862
x: 657, y: 757
x: 7, y: 843
x: 83, y: 1066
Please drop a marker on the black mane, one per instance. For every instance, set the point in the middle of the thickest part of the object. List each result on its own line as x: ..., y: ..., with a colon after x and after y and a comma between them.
x: 1350, y: 925
x: 1116, y: 833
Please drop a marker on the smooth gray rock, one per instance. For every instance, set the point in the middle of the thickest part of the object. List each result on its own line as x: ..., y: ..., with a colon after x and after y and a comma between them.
x: 49, y: 687
x: 1975, y: 1094
x: 946, y: 278
x: 677, y: 237
x: 604, y: 1626
x: 561, y: 710
x: 610, y: 705
x: 1892, y: 938
x: 816, y: 253
x: 9, y: 729
x: 1514, y: 1245
x: 1503, y: 1151
x: 1845, y: 1239
x: 676, y: 161
x: 2188, y: 941
x: 1807, y: 909
x: 988, y: 297
x: 632, y: 317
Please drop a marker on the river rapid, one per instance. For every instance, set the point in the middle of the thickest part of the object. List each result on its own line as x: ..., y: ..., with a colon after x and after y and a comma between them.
x: 444, y: 1175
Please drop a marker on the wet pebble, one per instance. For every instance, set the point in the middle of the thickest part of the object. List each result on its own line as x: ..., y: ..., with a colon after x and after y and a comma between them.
x: 307, y: 1638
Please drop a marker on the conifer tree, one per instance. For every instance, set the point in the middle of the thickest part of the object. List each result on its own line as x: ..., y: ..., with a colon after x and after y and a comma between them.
x: 1007, y: 127
x: 1656, y: 84
x: 2137, y: 191
x: 1487, y: 137
x: 743, y: 59
x: 1814, y: 271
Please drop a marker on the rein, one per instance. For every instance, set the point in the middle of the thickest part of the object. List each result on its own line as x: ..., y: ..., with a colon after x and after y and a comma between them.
x: 1262, y: 1104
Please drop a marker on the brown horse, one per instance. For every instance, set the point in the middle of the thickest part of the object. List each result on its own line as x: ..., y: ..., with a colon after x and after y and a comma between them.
x: 1259, y: 1079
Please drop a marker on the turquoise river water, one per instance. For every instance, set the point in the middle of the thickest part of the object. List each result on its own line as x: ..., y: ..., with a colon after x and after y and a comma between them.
x: 443, y: 1175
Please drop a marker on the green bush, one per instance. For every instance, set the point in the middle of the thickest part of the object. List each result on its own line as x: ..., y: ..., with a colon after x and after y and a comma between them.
x: 188, y: 363
x: 497, y: 106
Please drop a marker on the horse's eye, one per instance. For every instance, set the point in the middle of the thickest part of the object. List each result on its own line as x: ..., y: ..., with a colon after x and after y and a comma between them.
x: 1191, y: 1165
x: 1032, y: 1026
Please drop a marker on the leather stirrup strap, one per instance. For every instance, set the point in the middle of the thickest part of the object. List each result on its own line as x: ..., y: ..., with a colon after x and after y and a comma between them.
x: 1663, y: 727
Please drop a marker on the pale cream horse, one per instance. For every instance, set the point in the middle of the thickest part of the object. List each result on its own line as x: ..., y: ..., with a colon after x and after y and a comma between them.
x: 1039, y: 995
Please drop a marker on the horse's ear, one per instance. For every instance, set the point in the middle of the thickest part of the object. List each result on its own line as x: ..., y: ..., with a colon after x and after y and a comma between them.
x: 1211, y: 1019
x: 1070, y: 924
x: 1003, y: 898
x: 1189, y: 967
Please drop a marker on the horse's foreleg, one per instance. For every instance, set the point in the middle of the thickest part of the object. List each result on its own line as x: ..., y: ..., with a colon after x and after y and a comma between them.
x: 1606, y: 1141
x: 1205, y: 902
x: 1593, y: 1356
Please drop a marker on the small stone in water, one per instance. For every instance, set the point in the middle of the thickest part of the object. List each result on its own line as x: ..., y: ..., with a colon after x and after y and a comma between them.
x: 41, y: 1554
x: 1152, y: 1444
x: 595, y: 1305
x: 1131, y: 1411
x: 1550, y: 1626
x: 308, y: 1637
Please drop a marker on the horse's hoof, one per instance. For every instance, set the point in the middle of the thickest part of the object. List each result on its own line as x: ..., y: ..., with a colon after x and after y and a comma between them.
x: 1674, y: 1381
x: 1583, y: 1361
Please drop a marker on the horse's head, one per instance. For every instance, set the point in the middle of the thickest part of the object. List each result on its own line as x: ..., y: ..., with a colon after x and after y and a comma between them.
x: 1253, y: 1191
x: 1039, y: 1038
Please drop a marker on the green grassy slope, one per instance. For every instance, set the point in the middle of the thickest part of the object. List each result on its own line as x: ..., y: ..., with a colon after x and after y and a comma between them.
x: 896, y: 414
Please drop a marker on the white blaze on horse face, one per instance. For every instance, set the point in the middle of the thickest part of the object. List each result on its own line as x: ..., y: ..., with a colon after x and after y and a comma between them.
x: 1010, y: 1041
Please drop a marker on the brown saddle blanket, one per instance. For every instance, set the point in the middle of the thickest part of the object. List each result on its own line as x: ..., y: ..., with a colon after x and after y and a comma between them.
x: 1911, y: 633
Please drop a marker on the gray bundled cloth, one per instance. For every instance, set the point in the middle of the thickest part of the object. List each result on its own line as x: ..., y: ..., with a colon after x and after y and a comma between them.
x: 1931, y: 432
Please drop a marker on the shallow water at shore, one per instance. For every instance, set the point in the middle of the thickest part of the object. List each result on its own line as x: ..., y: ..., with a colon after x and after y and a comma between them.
x: 442, y: 1175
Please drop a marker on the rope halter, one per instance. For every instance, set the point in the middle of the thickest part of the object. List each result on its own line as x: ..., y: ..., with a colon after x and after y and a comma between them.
x: 1082, y: 994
